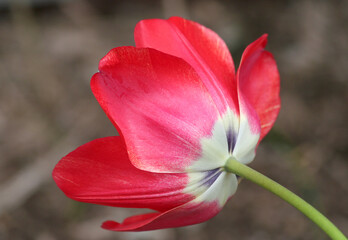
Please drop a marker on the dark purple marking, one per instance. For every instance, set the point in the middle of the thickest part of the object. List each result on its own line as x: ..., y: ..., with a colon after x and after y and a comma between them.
x: 211, y: 176
x: 231, y: 140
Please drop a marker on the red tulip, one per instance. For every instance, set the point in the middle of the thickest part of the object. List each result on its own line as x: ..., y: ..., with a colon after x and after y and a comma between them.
x: 181, y: 112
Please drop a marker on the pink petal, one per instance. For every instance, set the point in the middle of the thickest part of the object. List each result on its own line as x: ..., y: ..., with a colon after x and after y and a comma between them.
x: 100, y: 172
x: 248, y: 133
x: 258, y: 81
x: 159, y: 103
x: 202, y: 48
x: 186, y: 214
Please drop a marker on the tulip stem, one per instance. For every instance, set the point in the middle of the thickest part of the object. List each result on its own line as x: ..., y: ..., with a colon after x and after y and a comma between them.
x: 238, y: 168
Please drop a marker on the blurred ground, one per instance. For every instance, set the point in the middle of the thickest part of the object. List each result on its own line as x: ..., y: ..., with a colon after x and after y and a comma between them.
x: 49, y: 51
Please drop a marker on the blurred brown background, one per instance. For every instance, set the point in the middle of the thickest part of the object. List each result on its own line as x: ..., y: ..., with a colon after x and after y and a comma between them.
x: 49, y: 49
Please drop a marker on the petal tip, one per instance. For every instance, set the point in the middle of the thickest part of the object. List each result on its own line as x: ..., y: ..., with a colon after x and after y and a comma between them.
x: 110, y: 225
x: 263, y: 40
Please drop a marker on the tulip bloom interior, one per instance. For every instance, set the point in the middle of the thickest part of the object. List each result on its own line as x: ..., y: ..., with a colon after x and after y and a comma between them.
x: 181, y: 111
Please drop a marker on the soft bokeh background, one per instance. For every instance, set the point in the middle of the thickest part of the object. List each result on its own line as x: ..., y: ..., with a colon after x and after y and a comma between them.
x: 49, y: 49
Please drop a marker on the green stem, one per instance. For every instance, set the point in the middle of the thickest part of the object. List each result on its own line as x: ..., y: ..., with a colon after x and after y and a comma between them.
x: 233, y: 166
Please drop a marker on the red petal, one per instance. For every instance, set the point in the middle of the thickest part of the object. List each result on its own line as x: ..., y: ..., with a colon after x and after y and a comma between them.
x: 202, y: 48
x: 258, y: 80
x: 160, y: 105
x: 100, y: 172
x: 186, y: 214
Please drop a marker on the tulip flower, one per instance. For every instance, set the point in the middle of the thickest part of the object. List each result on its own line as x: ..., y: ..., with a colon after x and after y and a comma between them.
x: 183, y: 116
